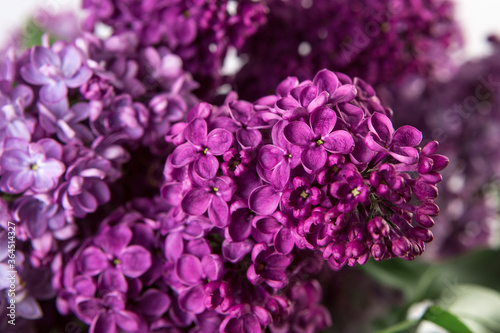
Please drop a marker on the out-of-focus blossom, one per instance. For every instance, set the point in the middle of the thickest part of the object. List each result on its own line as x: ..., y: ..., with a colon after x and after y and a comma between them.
x: 380, y: 41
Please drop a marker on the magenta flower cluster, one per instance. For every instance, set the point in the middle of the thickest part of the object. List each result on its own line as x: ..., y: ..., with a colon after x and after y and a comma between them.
x: 143, y: 202
x: 329, y: 174
x: 381, y: 41
x: 463, y: 115
x: 199, y: 32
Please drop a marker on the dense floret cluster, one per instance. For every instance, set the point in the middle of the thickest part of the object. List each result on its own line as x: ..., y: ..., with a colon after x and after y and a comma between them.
x: 199, y: 32
x: 463, y: 115
x: 328, y: 173
x: 380, y: 41
x: 131, y: 203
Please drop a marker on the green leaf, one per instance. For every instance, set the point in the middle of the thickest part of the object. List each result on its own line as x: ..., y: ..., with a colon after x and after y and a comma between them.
x: 32, y: 35
x: 445, y: 319
x: 477, y: 306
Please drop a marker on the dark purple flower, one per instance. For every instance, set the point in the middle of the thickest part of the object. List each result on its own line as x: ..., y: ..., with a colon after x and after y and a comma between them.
x: 202, y: 148
x: 350, y: 191
x: 268, y: 266
x: 399, y: 144
x: 301, y: 198
x: 213, y: 196
x: 235, y: 163
x: 318, y: 138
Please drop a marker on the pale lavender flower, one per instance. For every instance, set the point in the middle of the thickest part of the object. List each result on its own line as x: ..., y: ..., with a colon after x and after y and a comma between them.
x: 34, y: 166
x: 56, y: 69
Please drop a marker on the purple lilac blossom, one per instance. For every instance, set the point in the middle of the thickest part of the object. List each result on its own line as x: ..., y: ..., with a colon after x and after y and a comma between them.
x: 380, y: 41
x: 255, y: 196
x: 335, y: 177
x: 199, y: 32
x: 64, y: 151
x: 463, y: 114
x: 35, y: 166
x: 183, y: 281
x: 55, y: 69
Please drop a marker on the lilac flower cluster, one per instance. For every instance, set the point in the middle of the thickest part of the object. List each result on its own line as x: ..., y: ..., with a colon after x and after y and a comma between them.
x: 199, y: 32
x: 464, y: 115
x: 140, y: 208
x: 329, y: 174
x: 380, y: 41
x: 145, y: 271
x: 68, y: 125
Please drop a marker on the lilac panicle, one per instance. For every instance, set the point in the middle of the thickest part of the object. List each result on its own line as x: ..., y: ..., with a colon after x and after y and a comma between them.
x: 380, y: 41
x: 335, y: 177
x: 255, y: 196
x: 199, y: 32
x: 463, y: 114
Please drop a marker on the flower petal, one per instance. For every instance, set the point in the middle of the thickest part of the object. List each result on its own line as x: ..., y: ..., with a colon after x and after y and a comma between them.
x: 135, y: 261
x: 213, y: 267
x: 248, y: 138
x: 53, y: 92
x: 240, y: 111
x: 407, y: 136
x: 92, y: 261
x: 154, y: 303
x: 206, y: 166
x: 339, y: 142
x: 189, y: 270
x: 111, y: 280
x: 192, y: 299
x: 381, y: 125
x: 127, y: 320
x: 235, y: 251
x: 219, y: 141
x: 326, y: 81
x: 196, y: 132
x: 104, y: 323
x: 71, y: 61
x: 184, y: 154
x: 196, y: 201
x: 218, y: 212
x: 283, y: 241
x: 264, y: 200
x: 323, y: 121
x: 41, y: 56
x: 314, y: 158
x: 299, y: 134
x: 270, y: 156
x: 33, y: 76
